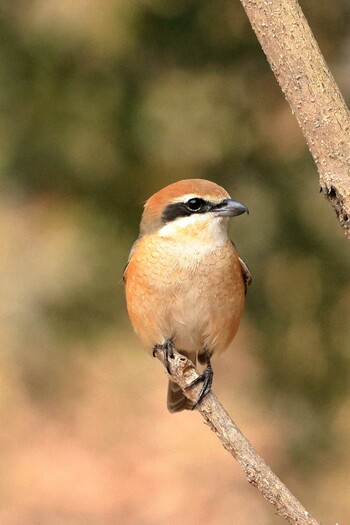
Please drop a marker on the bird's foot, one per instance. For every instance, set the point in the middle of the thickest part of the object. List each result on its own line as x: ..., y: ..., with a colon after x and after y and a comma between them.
x: 168, y: 352
x: 207, y: 378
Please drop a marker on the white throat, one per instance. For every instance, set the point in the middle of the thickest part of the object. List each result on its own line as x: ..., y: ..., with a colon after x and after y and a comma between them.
x: 201, y: 228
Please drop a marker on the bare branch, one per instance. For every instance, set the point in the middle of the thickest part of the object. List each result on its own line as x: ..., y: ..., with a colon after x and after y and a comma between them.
x: 255, y: 468
x: 311, y: 91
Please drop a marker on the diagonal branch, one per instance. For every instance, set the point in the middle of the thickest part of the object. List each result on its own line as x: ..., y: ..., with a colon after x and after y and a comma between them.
x: 255, y: 468
x: 311, y: 92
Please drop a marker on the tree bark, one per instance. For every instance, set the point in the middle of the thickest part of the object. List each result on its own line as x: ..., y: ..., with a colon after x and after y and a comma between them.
x: 311, y: 92
x: 256, y: 470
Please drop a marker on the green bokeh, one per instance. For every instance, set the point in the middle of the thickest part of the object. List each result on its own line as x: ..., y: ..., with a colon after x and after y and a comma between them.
x: 95, y: 118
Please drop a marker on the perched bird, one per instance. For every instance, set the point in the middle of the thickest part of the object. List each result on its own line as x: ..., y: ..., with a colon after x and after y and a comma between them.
x: 185, y: 282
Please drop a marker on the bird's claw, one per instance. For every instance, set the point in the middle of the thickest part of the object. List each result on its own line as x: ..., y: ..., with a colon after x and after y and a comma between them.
x: 207, y: 378
x: 168, y: 352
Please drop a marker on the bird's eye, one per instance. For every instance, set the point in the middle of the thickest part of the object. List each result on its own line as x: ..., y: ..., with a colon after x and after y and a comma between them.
x: 195, y: 204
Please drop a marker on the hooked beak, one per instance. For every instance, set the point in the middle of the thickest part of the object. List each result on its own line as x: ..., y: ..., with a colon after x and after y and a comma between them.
x: 230, y: 208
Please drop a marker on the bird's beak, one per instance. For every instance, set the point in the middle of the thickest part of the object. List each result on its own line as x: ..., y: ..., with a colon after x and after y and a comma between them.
x: 230, y: 208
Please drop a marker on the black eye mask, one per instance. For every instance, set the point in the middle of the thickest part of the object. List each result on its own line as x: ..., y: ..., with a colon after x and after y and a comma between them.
x: 190, y: 207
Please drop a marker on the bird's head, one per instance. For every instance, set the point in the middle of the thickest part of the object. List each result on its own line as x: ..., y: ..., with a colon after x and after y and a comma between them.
x: 189, y: 206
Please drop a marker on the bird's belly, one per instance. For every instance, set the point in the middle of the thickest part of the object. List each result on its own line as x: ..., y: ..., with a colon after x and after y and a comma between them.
x: 205, y: 316
x: 198, y: 303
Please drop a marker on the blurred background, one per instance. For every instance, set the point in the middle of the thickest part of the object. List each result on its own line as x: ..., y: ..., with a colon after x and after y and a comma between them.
x: 101, y: 104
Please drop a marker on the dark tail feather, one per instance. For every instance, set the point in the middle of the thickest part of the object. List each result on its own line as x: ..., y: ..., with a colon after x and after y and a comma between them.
x: 177, y: 400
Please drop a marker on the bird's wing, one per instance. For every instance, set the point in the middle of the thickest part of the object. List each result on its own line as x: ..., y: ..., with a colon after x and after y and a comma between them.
x: 247, y: 276
x: 129, y: 258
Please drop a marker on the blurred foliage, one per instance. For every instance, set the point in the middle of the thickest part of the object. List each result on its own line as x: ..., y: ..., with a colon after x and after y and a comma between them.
x: 102, y: 103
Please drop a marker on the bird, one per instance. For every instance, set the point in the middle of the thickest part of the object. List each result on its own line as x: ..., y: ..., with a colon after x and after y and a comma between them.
x: 185, y: 283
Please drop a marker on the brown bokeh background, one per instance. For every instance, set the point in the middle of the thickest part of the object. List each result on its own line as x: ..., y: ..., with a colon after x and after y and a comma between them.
x: 103, y: 103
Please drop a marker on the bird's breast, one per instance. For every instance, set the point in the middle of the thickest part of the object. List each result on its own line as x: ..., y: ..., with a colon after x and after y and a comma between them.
x: 191, y: 291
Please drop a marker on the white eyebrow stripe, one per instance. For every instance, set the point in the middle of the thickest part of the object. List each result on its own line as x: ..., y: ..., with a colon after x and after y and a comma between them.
x: 188, y: 196
x: 185, y: 198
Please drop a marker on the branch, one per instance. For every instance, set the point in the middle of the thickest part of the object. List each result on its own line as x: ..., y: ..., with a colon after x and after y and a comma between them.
x: 255, y: 468
x: 311, y: 92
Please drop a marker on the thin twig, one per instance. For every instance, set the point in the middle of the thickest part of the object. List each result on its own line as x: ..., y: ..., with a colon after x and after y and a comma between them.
x: 256, y: 470
x: 311, y: 92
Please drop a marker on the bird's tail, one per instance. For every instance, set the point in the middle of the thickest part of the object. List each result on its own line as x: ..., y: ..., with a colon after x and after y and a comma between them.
x: 177, y: 400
